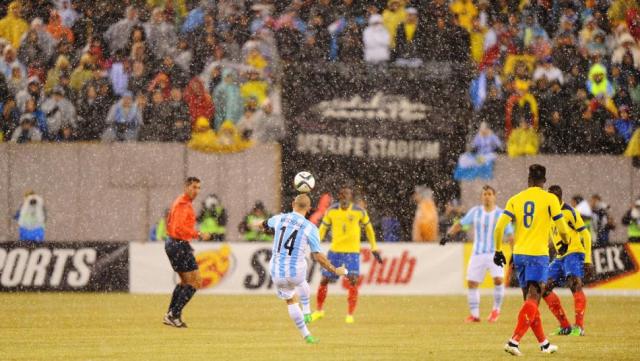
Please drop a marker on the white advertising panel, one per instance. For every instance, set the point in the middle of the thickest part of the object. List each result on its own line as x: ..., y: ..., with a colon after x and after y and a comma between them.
x: 242, y: 268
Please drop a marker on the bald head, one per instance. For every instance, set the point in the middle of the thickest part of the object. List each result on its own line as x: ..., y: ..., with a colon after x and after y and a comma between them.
x: 301, y: 204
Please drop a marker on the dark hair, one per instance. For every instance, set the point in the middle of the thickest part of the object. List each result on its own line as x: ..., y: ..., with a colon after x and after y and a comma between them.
x: 191, y: 180
x: 537, y: 173
x: 577, y: 198
x: 487, y: 187
x: 557, y: 190
x: 596, y: 196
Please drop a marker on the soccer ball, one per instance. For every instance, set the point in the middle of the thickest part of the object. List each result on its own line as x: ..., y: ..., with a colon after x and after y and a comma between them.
x: 304, y: 182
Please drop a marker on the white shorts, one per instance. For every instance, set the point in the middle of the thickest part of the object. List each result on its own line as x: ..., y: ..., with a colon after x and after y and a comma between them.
x: 478, y: 266
x: 286, y: 287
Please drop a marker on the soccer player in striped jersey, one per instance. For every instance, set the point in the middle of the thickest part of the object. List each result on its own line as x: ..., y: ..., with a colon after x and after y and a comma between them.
x: 288, y: 266
x: 532, y: 211
x: 569, y: 269
x: 345, y: 220
x: 483, y: 220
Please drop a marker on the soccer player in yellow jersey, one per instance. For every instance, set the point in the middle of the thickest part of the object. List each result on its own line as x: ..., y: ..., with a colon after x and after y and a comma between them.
x: 569, y: 269
x: 532, y: 212
x: 345, y: 220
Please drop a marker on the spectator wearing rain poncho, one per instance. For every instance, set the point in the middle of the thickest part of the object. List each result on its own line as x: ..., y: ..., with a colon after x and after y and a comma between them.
x: 255, y: 87
x: 13, y: 26
x: 601, y: 88
x: 117, y: 35
x: 626, y: 44
x: 523, y: 140
x: 377, y: 41
x: 31, y: 218
x: 161, y: 35
x: 226, y: 140
x: 123, y: 121
x: 425, y: 222
x: 479, y: 162
x: 227, y: 98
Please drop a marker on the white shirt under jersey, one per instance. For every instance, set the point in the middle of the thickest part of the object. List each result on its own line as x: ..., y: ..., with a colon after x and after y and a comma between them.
x: 483, y: 223
x: 293, y: 235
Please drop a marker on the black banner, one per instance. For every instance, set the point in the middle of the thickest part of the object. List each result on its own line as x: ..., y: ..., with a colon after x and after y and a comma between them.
x: 611, y: 262
x: 384, y: 129
x: 64, y: 266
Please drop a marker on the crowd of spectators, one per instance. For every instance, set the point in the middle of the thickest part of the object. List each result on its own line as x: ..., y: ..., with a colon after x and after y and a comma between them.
x: 562, y: 76
x: 137, y: 70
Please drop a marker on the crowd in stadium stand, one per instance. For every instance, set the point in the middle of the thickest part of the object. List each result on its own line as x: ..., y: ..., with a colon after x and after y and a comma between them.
x: 551, y: 75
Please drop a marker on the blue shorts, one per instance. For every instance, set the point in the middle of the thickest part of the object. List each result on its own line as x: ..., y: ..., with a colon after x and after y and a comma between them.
x: 569, y: 265
x: 349, y: 260
x: 530, y: 268
x: 180, y: 255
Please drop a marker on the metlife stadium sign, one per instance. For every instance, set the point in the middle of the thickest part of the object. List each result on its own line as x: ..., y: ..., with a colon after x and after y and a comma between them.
x: 64, y: 266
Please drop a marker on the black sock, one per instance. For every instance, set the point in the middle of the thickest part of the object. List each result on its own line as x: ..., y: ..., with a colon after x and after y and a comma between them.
x: 184, y: 295
x: 174, y: 297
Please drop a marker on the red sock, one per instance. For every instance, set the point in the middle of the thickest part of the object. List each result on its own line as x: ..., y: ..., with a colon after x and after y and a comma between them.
x: 536, y: 327
x: 352, y: 298
x: 580, y: 302
x: 322, y: 295
x: 553, y: 301
x: 526, y: 315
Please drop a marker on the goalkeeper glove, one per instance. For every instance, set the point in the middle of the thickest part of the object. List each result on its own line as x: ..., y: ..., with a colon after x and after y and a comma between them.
x: 562, y: 248
x: 445, y: 239
x: 499, y: 258
x: 376, y: 255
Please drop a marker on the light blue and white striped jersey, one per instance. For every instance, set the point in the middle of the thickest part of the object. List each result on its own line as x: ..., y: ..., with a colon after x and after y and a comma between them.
x: 483, y: 225
x: 293, y: 233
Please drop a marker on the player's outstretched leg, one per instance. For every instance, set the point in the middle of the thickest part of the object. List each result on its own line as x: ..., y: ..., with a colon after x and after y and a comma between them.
x: 498, y: 296
x: 298, y: 319
x: 323, y: 289
x: 473, y: 298
x: 304, y: 291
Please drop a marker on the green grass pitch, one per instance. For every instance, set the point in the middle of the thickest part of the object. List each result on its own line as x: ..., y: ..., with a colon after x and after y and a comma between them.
x: 69, y: 327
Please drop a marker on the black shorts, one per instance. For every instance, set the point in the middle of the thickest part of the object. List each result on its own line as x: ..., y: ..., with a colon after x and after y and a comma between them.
x: 180, y: 255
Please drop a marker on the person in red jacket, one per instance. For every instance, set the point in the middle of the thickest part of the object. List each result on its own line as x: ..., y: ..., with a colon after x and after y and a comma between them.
x: 181, y: 230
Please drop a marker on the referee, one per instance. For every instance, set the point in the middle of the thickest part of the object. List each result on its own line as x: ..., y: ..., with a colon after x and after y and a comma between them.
x: 181, y: 228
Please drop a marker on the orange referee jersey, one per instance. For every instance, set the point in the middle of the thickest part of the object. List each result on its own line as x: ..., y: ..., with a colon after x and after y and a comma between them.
x: 181, y: 223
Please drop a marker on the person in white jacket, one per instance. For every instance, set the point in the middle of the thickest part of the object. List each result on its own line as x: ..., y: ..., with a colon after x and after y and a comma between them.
x: 376, y: 41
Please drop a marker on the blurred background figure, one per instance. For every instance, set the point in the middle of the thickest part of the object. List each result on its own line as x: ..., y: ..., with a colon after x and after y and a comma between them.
x: 425, y: 222
x: 213, y: 218
x: 250, y: 228
x: 159, y: 230
x: 631, y: 220
x: 31, y: 218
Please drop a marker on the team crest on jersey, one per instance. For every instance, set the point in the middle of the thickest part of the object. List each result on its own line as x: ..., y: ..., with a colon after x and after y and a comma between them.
x: 350, y: 218
x: 214, y: 265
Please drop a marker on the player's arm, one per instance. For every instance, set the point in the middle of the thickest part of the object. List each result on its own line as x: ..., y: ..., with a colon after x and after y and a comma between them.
x: 316, y: 253
x: 498, y: 234
x: 371, y: 237
x: 558, y: 218
x: 458, y: 226
x: 586, y: 238
x: 324, y: 225
x: 506, y: 217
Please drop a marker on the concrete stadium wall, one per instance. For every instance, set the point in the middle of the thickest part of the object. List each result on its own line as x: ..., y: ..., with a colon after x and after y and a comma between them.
x: 117, y: 191
x: 613, y: 177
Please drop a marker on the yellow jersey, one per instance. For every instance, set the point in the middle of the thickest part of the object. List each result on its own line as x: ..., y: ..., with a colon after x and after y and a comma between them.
x: 532, y: 211
x: 577, y: 233
x: 345, y: 228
